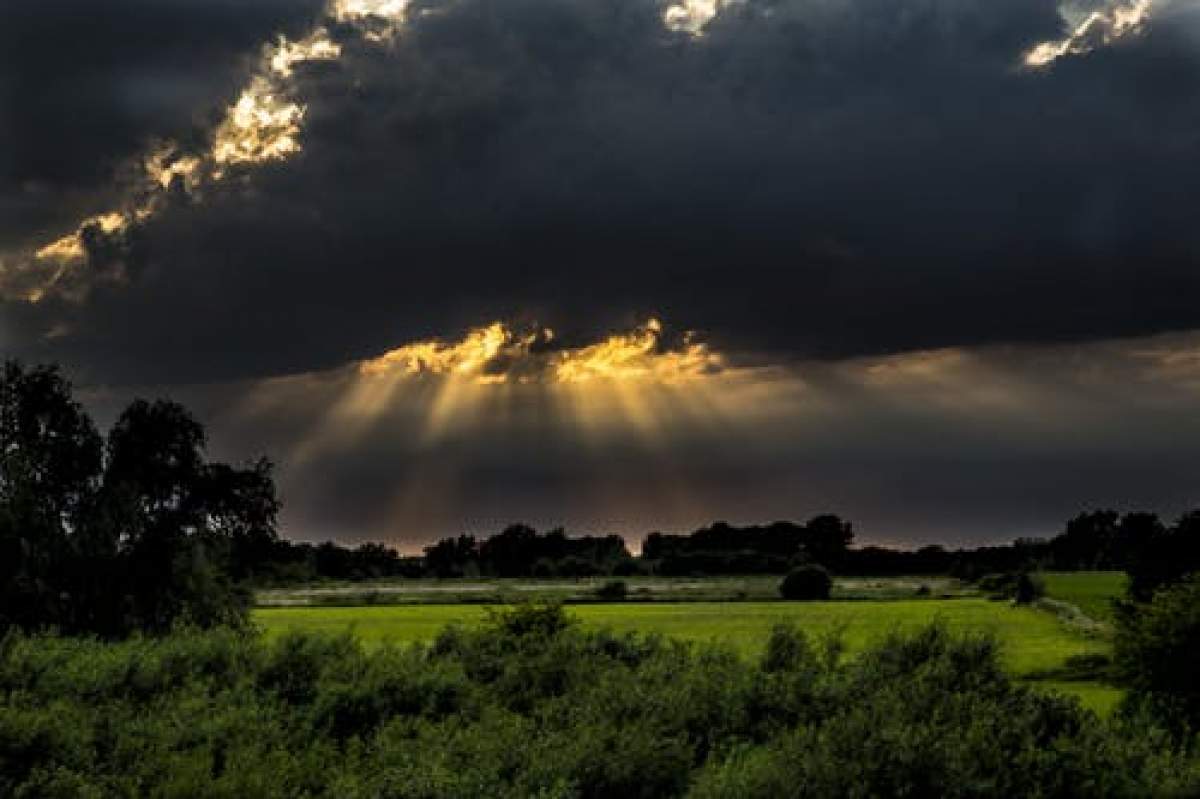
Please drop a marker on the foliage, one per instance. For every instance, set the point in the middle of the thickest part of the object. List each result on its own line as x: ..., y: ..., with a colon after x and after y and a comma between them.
x: 1165, y: 556
x: 1029, y: 588
x: 1157, y: 651
x: 531, y: 704
x: 136, y: 532
x: 613, y: 591
x: 769, y: 549
x: 806, y: 582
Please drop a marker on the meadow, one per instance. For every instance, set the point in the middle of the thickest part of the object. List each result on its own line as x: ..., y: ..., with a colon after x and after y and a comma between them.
x: 1091, y: 591
x: 497, y: 590
x: 1035, y: 646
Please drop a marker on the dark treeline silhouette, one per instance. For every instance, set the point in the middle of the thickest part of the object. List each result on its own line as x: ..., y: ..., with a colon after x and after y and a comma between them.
x: 1152, y: 552
x: 520, y: 551
x: 517, y: 551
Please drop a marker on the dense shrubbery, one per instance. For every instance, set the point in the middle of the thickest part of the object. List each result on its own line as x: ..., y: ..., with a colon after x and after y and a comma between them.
x: 1023, y: 587
x: 806, y: 582
x: 1157, y: 653
x: 530, y: 705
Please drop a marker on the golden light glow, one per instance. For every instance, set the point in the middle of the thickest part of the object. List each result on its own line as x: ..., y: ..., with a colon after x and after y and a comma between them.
x: 352, y: 9
x: 315, y: 47
x: 469, y: 357
x: 645, y: 381
x: 639, y: 355
x: 261, y: 126
x: 164, y: 165
x: 1098, y: 29
x: 690, y: 15
x: 496, y: 354
x: 71, y: 247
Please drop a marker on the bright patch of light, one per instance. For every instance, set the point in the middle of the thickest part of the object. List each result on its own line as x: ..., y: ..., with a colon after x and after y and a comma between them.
x: 261, y: 126
x: 495, y: 354
x: 352, y: 9
x: 71, y: 246
x: 1098, y: 29
x: 640, y: 379
x: 690, y: 15
x: 315, y: 47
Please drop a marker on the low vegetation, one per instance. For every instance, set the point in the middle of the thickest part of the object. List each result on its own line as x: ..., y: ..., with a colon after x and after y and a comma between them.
x: 143, y: 556
x: 1157, y: 653
x: 1033, y: 644
x: 531, y: 704
x: 809, y: 582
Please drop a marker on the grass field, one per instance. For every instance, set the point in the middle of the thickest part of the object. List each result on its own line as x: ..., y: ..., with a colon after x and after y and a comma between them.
x: 1032, y: 641
x: 1091, y: 592
x: 483, y: 590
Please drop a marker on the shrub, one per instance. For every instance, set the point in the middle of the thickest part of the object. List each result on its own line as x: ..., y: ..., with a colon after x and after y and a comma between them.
x: 1028, y: 588
x: 1157, y: 652
x: 806, y: 582
x: 613, y: 591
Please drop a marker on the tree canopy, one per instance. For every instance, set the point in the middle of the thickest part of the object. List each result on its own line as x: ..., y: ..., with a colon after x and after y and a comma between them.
x: 136, y: 531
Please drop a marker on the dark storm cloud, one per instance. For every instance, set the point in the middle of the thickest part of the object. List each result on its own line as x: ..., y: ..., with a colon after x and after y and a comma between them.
x: 84, y: 84
x: 810, y: 178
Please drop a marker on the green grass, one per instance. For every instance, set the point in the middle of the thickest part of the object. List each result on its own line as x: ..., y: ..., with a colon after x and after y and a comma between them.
x: 1032, y: 641
x: 1091, y: 592
x: 492, y: 590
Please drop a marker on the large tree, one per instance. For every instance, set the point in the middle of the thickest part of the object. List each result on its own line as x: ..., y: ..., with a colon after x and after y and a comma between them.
x: 140, y: 532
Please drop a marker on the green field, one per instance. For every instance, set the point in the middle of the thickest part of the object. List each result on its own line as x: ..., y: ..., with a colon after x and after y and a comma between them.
x: 1091, y: 592
x: 496, y: 590
x: 1033, y: 642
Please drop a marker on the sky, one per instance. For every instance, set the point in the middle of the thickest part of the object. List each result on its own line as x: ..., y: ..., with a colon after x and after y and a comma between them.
x: 625, y: 265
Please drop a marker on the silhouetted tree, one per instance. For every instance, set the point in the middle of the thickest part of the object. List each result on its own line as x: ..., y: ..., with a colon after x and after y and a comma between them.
x: 827, y: 537
x: 1087, y: 542
x: 136, y: 534
x: 50, y: 461
x: 1162, y: 556
x: 453, y: 557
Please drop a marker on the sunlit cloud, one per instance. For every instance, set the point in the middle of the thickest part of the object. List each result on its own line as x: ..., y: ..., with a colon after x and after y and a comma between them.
x: 264, y: 124
x: 690, y: 15
x: 497, y: 354
x: 641, y: 391
x: 1098, y: 29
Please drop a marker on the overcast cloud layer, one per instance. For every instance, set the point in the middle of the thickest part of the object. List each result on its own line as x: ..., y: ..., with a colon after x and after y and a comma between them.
x: 805, y: 181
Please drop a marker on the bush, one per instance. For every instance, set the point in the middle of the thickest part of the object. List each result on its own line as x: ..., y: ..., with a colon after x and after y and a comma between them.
x: 1023, y: 587
x: 613, y: 591
x: 1029, y: 588
x: 1156, y: 652
x: 806, y: 582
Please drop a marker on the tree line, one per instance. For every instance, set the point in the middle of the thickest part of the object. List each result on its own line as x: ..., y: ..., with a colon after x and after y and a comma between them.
x: 138, y: 530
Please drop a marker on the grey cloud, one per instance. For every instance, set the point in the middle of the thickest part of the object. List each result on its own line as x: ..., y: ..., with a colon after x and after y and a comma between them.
x: 810, y: 179
x: 84, y: 85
